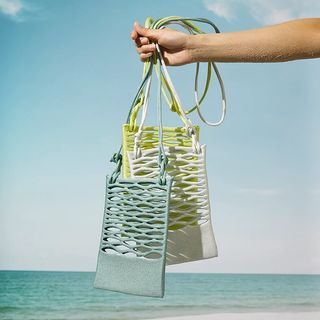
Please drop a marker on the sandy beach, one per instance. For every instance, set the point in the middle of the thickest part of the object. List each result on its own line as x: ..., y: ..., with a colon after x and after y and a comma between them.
x: 250, y: 316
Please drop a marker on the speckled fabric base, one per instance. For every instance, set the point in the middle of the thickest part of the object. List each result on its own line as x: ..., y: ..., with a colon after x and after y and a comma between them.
x: 132, y: 251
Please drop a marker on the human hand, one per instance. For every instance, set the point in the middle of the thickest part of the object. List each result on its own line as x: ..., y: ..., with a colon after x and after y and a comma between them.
x: 173, y: 44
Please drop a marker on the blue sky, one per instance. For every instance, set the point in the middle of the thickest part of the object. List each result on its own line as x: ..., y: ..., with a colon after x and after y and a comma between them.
x: 68, y: 75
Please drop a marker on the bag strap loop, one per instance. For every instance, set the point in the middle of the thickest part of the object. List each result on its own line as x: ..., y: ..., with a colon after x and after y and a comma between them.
x: 193, y: 29
x: 163, y: 160
x: 164, y: 81
x: 187, y: 22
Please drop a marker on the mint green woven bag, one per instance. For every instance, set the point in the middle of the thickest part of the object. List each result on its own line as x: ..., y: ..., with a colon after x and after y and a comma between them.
x: 132, y: 251
x: 133, y: 243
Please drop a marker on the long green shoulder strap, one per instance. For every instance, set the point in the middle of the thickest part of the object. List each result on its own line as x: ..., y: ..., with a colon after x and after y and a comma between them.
x: 188, y: 24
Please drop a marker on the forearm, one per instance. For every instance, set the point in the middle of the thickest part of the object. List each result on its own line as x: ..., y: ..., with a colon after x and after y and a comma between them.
x: 298, y: 39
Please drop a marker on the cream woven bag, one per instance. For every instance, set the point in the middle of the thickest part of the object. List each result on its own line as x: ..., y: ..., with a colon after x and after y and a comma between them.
x: 190, y: 232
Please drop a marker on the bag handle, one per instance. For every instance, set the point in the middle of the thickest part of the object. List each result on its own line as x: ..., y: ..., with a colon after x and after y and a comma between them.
x: 223, y: 97
x: 138, y: 134
x: 163, y: 160
x: 164, y: 77
x: 193, y: 29
x: 186, y: 22
x: 166, y: 80
x: 141, y: 99
x: 189, y: 127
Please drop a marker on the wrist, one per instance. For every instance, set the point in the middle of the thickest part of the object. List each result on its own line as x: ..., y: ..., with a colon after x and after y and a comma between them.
x: 195, y: 46
x: 203, y: 47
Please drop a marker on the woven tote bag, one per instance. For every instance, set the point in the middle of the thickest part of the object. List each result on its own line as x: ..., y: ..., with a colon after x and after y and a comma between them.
x: 190, y: 232
x: 172, y: 136
x: 131, y: 257
x: 148, y: 137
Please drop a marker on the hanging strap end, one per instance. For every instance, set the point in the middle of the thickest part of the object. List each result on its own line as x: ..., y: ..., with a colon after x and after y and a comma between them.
x: 116, y: 157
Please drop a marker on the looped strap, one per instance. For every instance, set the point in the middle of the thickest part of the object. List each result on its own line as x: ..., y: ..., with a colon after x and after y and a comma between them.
x: 162, y: 162
x: 141, y: 99
x: 191, y: 133
x: 116, y: 158
x: 136, y: 146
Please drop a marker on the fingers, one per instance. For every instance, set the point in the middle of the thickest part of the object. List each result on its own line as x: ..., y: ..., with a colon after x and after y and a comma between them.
x: 133, y: 35
x: 142, y: 37
x: 140, y: 31
x: 146, y: 51
x: 145, y: 56
x: 146, y: 48
x: 141, y: 41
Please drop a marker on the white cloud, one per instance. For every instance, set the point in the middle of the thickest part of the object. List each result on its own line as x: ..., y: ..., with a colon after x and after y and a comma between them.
x: 11, y: 7
x: 221, y: 9
x: 265, y: 11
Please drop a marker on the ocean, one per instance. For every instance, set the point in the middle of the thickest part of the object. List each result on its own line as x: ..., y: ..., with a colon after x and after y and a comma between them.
x: 70, y: 295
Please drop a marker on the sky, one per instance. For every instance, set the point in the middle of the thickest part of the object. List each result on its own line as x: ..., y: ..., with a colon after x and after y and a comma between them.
x: 68, y: 74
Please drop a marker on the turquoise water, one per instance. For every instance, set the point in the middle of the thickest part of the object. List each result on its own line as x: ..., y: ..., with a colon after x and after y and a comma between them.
x: 70, y: 295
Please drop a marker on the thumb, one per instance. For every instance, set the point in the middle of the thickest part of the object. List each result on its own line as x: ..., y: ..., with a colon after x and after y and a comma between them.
x: 145, y: 32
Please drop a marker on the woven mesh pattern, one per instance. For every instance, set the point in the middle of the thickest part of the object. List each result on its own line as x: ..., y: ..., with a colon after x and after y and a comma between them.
x: 136, y: 218
x: 189, y: 200
x: 175, y: 136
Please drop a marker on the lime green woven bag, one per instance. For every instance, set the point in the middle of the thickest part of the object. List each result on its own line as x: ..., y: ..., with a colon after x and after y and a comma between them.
x: 172, y: 136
